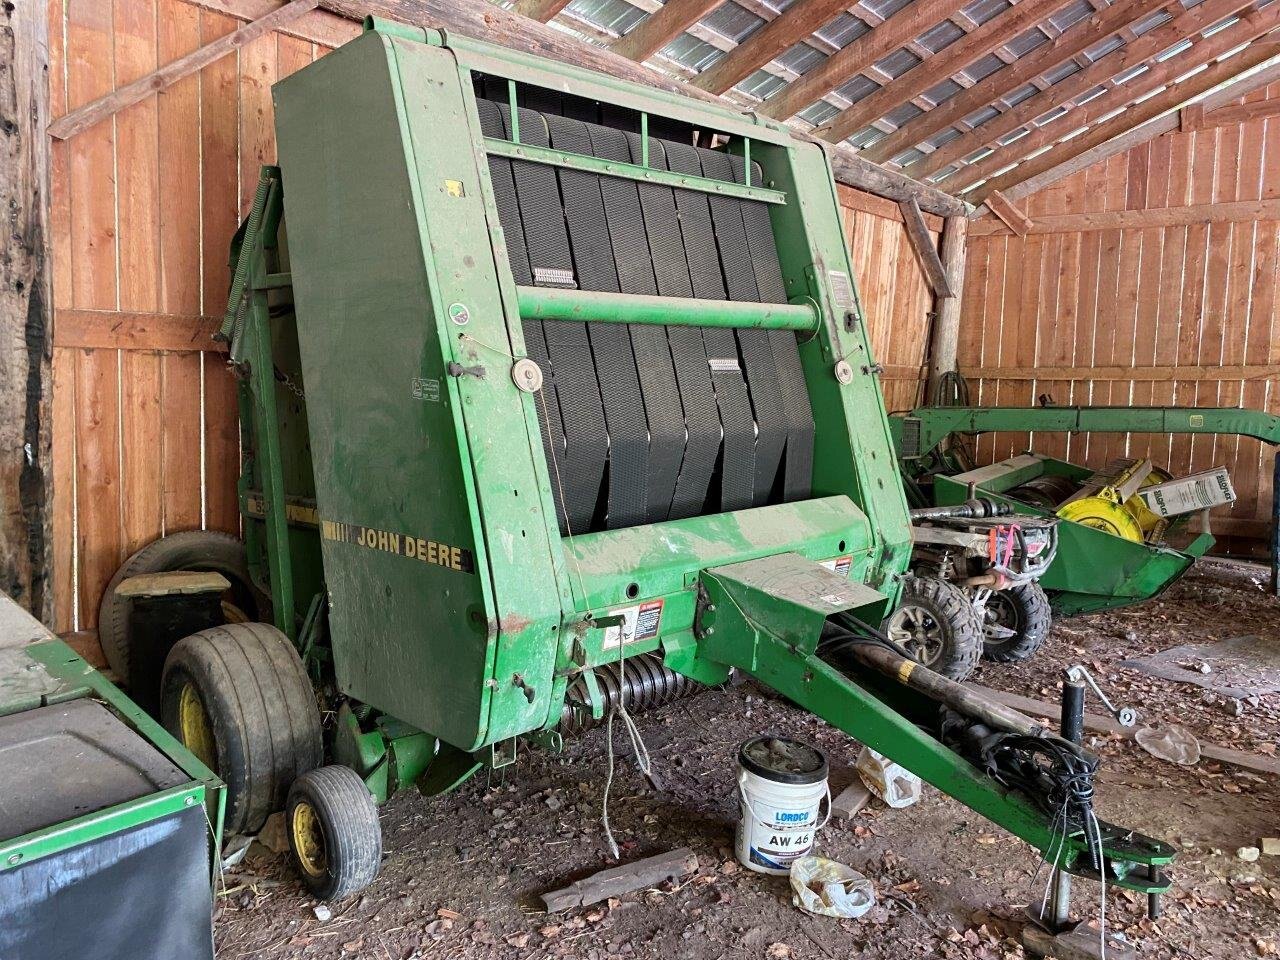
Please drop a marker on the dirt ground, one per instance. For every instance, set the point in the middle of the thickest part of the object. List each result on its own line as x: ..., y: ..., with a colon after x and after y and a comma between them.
x: 462, y: 874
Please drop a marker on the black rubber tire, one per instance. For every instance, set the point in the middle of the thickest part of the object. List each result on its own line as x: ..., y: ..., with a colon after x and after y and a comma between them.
x: 348, y: 820
x: 261, y: 713
x: 952, y: 610
x: 1027, y: 607
x: 203, y: 550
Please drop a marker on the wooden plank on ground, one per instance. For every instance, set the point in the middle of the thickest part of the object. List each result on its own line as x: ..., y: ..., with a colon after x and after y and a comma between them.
x: 617, y: 881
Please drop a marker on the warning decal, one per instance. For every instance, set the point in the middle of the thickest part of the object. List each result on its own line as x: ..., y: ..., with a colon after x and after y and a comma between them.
x: 640, y: 622
x: 840, y: 566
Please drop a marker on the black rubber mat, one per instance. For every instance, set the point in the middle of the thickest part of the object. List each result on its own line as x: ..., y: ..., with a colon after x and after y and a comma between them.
x: 754, y: 345
x: 625, y: 218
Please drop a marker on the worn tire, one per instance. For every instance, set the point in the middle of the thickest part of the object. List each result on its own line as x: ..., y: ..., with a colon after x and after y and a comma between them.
x: 945, y: 608
x: 202, y: 550
x: 335, y: 839
x: 239, y: 698
x: 1025, y: 610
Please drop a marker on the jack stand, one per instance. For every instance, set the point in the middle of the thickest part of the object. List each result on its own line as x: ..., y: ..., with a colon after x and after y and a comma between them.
x: 1051, y: 933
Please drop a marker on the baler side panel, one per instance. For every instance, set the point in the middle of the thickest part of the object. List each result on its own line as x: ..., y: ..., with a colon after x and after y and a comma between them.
x: 404, y: 567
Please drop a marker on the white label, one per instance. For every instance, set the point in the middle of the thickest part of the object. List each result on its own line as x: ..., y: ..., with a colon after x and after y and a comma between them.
x: 722, y: 364
x: 835, y: 599
x: 840, y: 566
x: 554, y: 276
x: 841, y: 288
x: 640, y: 622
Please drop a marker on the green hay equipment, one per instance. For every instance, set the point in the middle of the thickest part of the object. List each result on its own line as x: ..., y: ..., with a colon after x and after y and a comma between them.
x: 555, y: 393
x: 109, y: 827
x: 1094, y: 569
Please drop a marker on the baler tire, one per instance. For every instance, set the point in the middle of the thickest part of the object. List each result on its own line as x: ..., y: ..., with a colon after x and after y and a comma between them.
x: 335, y: 839
x: 202, y: 550
x: 1033, y: 617
x: 245, y: 685
x: 955, y: 617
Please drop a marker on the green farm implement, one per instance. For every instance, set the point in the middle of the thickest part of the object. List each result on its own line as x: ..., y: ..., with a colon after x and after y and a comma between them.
x: 555, y: 392
x: 1112, y: 550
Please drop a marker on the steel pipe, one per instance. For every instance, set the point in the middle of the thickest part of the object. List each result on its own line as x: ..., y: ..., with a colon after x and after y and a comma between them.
x: 555, y: 303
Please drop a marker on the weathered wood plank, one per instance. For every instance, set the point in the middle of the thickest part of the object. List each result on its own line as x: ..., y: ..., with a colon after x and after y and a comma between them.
x: 925, y: 250
x: 1235, y: 211
x: 113, y: 329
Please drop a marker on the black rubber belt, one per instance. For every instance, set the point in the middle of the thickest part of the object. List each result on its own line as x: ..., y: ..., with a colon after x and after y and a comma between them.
x: 648, y: 343
x: 627, y: 433
x: 586, y: 443
x: 701, y: 436
x: 757, y: 351
x: 546, y: 402
x: 797, y: 468
x: 736, y: 465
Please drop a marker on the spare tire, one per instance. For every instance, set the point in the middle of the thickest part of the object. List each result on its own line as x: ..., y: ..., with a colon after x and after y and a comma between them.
x: 202, y: 550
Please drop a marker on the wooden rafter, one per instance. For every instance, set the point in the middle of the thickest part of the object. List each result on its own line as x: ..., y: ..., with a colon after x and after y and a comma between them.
x: 799, y: 20
x: 1176, y: 94
x: 1012, y: 215
x: 951, y: 60
x: 1187, y: 24
x: 1163, y: 124
x: 661, y: 27
x: 96, y: 110
x: 1076, y: 39
x: 898, y: 30
x: 541, y: 10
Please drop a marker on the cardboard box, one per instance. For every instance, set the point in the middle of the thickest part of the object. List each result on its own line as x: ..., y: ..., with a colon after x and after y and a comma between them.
x: 1189, y: 494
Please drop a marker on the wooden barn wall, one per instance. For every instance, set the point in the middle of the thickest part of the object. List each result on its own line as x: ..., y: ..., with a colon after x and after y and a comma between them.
x: 144, y: 205
x: 1125, y: 293
x: 895, y: 296
x: 143, y: 208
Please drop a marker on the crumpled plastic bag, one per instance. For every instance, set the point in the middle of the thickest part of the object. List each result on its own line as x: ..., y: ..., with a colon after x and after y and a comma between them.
x: 829, y: 889
x: 1174, y: 743
x: 891, y: 782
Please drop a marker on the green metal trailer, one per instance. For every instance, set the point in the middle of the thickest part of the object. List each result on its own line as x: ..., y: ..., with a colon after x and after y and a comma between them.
x: 109, y: 827
x: 555, y: 394
x: 1093, y: 570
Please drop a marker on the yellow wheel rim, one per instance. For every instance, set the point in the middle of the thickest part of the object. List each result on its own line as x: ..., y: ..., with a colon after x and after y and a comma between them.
x: 233, y: 614
x: 1102, y: 514
x: 195, y: 728
x: 308, y: 839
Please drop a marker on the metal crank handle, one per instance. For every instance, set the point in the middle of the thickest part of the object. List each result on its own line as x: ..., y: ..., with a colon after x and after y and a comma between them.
x: 1125, y: 716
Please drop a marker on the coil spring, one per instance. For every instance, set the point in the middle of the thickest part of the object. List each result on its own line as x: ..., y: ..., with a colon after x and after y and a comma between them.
x: 649, y: 684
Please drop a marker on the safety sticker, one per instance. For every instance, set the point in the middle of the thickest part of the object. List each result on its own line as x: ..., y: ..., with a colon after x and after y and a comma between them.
x: 554, y: 277
x: 722, y: 364
x: 841, y: 288
x: 840, y: 566
x: 425, y: 388
x: 640, y: 622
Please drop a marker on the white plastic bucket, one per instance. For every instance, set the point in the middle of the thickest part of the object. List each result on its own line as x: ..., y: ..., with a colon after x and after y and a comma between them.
x: 781, y: 785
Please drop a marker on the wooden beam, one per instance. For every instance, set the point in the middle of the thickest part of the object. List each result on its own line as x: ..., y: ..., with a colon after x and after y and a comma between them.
x: 921, y: 241
x: 1171, y: 98
x: 1241, y: 113
x: 1191, y: 117
x: 1141, y: 134
x: 485, y: 21
x: 1239, y: 211
x: 798, y: 21
x: 1104, y: 107
x: 26, y: 399
x: 1013, y: 217
x: 318, y: 26
x: 92, y: 112
x: 865, y: 202
x: 1233, y: 373
x: 1077, y: 38
x: 115, y: 330
x: 661, y: 27
x: 964, y: 52
x: 1062, y: 93
x: 901, y: 28
x: 540, y: 10
x: 944, y: 338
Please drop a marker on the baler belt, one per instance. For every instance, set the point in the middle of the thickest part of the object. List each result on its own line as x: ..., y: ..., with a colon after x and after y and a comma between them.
x: 757, y: 351
x: 582, y: 413
x: 626, y: 430
x: 738, y: 447
x: 798, y: 414
x: 504, y: 192
x: 625, y: 218
x: 701, y: 429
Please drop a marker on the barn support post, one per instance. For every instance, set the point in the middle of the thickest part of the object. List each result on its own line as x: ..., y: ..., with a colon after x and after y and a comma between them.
x: 944, y: 338
x: 25, y: 309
